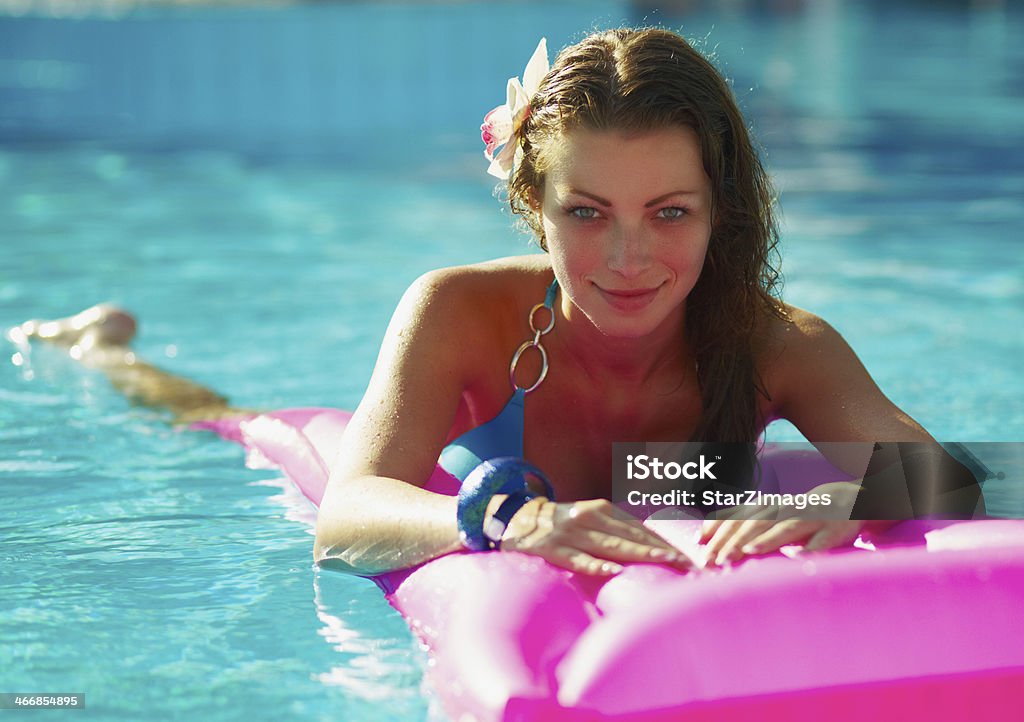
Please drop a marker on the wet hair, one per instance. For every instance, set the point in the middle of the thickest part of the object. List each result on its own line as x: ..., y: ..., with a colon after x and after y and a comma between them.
x: 635, y: 80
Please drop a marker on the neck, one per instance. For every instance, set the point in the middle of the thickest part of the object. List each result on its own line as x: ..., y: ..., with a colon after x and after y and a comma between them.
x: 623, y: 362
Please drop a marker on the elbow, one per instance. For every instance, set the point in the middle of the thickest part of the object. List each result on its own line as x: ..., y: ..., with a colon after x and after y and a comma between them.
x: 330, y: 551
x: 347, y: 554
x: 337, y: 540
x: 320, y: 550
x: 337, y: 560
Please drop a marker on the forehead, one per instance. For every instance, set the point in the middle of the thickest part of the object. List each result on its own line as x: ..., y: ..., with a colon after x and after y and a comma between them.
x: 649, y: 159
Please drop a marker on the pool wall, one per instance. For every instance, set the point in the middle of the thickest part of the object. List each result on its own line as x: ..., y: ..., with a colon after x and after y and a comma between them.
x: 252, y: 76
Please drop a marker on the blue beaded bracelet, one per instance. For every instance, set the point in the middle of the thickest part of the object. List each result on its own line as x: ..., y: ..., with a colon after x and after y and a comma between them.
x: 503, y: 475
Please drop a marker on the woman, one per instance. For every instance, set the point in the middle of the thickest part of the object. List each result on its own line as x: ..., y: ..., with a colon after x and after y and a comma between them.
x: 652, y: 309
x: 631, y: 163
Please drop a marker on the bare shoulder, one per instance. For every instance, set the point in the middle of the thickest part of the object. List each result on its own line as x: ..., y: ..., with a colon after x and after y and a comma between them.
x: 815, y: 379
x: 497, y: 274
x: 797, y: 351
x: 476, y: 298
x: 791, y: 331
x: 792, y: 323
x: 449, y: 310
x: 445, y: 336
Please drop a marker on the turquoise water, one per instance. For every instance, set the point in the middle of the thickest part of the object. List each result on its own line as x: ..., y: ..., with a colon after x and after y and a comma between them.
x: 145, y: 567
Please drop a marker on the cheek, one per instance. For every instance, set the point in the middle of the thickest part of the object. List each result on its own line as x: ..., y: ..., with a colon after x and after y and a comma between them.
x: 551, y: 235
x: 547, y: 226
x: 571, y: 264
x: 685, y: 260
x: 562, y: 246
x: 572, y: 255
x: 691, y: 245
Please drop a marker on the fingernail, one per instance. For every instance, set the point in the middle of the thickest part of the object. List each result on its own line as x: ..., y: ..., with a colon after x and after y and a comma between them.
x: 751, y: 549
x: 611, y: 568
x: 723, y: 559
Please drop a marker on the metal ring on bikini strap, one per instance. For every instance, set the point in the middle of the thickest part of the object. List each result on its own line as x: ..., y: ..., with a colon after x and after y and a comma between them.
x: 551, y: 322
x: 535, y: 343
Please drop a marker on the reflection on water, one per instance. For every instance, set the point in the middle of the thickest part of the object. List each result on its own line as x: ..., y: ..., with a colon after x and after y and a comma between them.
x: 370, y: 664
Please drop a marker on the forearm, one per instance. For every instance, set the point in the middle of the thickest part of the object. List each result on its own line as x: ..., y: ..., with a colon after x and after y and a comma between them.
x: 371, y: 525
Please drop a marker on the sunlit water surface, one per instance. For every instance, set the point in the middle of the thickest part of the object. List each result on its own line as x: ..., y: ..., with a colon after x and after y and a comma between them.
x: 146, y: 567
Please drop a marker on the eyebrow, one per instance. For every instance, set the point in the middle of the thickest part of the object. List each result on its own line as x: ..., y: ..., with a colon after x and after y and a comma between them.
x: 656, y: 201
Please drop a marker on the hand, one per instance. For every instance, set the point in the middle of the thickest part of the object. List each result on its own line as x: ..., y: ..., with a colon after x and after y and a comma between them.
x: 771, y: 527
x: 591, y: 537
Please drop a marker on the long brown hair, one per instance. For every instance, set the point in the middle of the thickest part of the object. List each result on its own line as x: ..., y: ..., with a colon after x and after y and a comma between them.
x: 633, y: 80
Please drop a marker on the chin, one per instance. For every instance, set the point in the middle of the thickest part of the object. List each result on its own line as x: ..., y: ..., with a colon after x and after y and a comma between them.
x: 625, y: 326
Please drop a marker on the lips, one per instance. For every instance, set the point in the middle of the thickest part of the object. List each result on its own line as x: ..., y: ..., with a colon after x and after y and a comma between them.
x: 628, y: 299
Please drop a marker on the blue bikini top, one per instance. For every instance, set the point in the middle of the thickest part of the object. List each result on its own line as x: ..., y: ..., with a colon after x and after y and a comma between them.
x: 502, y: 435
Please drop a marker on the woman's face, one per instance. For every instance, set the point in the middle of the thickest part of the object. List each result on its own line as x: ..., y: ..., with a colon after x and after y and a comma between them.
x: 627, y: 220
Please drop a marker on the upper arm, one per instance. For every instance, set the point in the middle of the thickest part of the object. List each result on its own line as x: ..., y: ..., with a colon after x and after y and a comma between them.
x: 404, y: 418
x: 818, y: 384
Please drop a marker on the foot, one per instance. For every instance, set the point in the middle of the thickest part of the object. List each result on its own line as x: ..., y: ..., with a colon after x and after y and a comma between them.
x: 101, y: 325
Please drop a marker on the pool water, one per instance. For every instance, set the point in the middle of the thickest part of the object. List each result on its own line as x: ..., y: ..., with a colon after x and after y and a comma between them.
x: 144, y: 566
x: 153, y: 550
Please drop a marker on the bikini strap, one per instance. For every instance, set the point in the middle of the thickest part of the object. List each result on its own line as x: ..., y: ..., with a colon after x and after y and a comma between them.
x: 549, y: 298
x: 549, y: 306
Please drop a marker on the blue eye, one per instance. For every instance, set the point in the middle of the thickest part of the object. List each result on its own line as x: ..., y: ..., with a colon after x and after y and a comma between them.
x: 584, y: 213
x: 672, y: 213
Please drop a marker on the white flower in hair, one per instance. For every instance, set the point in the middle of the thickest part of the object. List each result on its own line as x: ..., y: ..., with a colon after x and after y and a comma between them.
x: 501, y: 124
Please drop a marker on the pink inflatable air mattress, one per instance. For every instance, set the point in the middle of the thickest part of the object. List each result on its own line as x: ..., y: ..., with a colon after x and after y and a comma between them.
x: 924, y: 626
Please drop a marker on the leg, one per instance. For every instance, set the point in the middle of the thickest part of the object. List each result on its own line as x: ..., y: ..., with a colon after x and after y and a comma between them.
x: 99, y: 337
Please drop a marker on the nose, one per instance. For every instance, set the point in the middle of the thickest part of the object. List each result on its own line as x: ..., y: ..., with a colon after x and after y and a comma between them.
x: 629, y: 250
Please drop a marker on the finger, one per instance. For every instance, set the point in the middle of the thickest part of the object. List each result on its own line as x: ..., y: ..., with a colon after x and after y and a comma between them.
x: 724, y: 529
x: 622, y: 538
x: 579, y: 561
x: 744, y: 532
x: 785, y: 532
x: 549, y: 533
x: 723, y: 532
x: 734, y: 513
x: 606, y: 517
x: 633, y: 542
x: 635, y: 525
x: 619, y: 549
x: 708, y: 529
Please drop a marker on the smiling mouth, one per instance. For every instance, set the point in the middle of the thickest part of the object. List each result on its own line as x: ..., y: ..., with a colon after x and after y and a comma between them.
x: 632, y: 299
